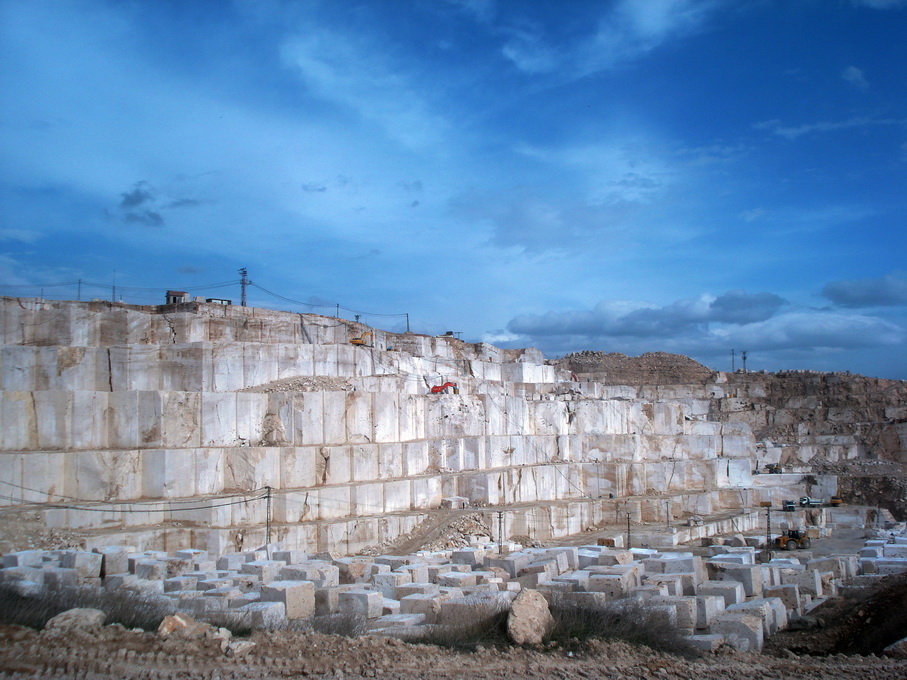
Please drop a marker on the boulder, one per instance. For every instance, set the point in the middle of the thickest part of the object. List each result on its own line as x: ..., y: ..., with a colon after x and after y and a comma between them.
x: 530, y: 619
x: 898, y: 649
x: 182, y: 624
x: 77, y: 619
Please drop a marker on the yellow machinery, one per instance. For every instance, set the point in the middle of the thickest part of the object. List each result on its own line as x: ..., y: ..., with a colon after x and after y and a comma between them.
x: 364, y: 340
x: 793, y: 539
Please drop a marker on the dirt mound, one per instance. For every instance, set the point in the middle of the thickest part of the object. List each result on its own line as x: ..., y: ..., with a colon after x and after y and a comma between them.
x: 863, y: 622
x: 651, y: 368
x: 443, y: 530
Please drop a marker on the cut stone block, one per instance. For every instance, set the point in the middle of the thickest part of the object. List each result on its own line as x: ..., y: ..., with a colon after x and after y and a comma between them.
x: 266, y: 570
x: 231, y: 561
x: 389, y: 582
x: 456, y: 579
x: 151, y: 570
x: 115, y: 559
x: 707, y: 608
x: 368, y: 603
x: 353, y: 569
x: 749, y: 575
x: 191, y: 554
x: 428, y: 606
x: 418, y: 572
x: 706, y: 643
x: 23, y: 558
x: 86, y: 564
x: 416, y: 588
x: 298, y: 597
x: 471, y: 556
x: 473, y: 609
x: 266, y: 615
x: 393, y: 620
x: 57, y: 578
x: 326, y: 601
x: 742, y: 630
x: 686, y: 609
x: 731, y: 591
x: 789, y: 595
x: 178, y: 583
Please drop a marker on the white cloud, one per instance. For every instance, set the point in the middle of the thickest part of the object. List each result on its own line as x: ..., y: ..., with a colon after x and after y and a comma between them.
x: 529, y: 53
x: 21, y: 235
x: 887, y: 291
x: 818, y: 330
x: 355, y: 75
x: 482, y: 11
x: 632, y: 169
x: 881, y: 4
x: 794, y: 132
x: 706, y: 328
x: 855, y: 77
x: 753, y: 214
x: 635, y: 28
x: 626, y: 31
x: 632, y: 319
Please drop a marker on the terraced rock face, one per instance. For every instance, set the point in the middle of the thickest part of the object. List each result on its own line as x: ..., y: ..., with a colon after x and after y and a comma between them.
x: 209, y: 426
x: 838, y: 423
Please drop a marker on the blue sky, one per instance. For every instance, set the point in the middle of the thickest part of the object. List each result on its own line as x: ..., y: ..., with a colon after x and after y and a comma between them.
x: 689, y: 176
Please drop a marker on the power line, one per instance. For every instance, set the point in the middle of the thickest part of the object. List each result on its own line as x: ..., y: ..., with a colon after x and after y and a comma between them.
x: 60, y: 506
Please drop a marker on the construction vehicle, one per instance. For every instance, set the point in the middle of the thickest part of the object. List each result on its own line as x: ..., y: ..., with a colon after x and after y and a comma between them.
x: 364, y: 340
x: 789, y: 505
x: 792, y: 539
x: 774, y: 469
x: 443, y: 389
x: 807, y: 502
x: 835, y: 501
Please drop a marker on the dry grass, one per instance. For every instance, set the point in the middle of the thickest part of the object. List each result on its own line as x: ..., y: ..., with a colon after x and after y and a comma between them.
x: 624, y: 620
x: 131, y: 609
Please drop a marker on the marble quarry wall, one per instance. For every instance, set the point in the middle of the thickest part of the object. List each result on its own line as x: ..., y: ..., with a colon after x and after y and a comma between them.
x: 205, y: 426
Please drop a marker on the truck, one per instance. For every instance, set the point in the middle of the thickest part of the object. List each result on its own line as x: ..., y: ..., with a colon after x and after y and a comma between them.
x: 807, y: 502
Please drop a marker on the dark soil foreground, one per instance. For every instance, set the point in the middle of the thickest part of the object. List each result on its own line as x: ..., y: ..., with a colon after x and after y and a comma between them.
x: 863, y: 622
x: 831, y: 650
x: 845, y: 639
x: 116, y: 653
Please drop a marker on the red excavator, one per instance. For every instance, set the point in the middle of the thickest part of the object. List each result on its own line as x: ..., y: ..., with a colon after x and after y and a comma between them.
x: 443, y: 389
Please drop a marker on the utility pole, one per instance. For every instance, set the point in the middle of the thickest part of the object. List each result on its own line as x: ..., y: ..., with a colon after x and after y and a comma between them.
x: 243, y: 282
x: 407, y: 322
x: 743, y: 357
x: 79, y: 293
x: 733, y: 366
x: 768, y: 530
x: 628, y: 531
x: 268, y: 517
x: 500, y: 532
